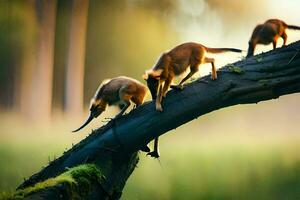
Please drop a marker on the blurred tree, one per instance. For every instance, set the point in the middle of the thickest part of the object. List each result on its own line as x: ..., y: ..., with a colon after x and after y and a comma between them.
x: 42, y: 87
x: 34, y: 89
x: 76, y: 58
x: 23, y: 89
x: 63, y: 17
x: 16, y: 33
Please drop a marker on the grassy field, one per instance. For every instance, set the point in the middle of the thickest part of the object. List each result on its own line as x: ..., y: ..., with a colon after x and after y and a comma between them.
x: 198, y: 161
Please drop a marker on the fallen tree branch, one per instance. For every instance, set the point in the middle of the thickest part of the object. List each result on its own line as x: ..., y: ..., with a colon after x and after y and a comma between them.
x: 112, y: 148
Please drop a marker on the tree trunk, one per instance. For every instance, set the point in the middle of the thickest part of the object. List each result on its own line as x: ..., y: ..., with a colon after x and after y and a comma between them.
x: 46, y: 11
x: 36, y: 85
x: 76, y: 59
x: 112, y: 147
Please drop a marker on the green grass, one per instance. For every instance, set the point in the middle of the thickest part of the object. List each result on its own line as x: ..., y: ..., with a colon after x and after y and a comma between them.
x: 228, y: 171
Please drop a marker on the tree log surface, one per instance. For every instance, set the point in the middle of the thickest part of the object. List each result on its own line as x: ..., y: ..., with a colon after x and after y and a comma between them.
x: 113, y: 147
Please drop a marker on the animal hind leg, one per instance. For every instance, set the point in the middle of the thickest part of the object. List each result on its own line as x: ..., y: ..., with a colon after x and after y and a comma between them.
x: 284, y: 37
x: 137, y: 100
x: 125, y: 100
x: 154, y: 153
x: 194, y: 69
x: 213, y: 67
x: 166, y: 87
x: 126, y: 105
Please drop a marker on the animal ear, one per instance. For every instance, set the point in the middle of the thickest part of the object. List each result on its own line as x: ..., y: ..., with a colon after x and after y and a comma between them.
x: 145, y: 76
x: 153, y: 73
x: 94, y: 102
x: 156, y: 74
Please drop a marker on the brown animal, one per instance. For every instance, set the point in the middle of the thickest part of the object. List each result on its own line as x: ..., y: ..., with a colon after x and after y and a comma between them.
x: 174, y: 63
x: 117, y: 91
x: 269, y: 32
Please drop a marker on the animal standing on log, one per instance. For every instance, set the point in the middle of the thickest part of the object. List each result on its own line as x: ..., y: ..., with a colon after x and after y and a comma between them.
x: 174, y: 63
x: 117, y: 91
x: 269, y: 32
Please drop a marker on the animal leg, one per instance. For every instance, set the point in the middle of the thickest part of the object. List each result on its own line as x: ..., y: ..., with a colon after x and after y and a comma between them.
x: 159, y: 97
x: 125, y: 100
x: 154, y: 153
x: 126, y: 105
x: 213, y: 67
x: 251, y: 48
x: 137, y: 100
x: 166, y: 87
x: 194, y: 69
x: 284, y: 37
x: 274, y: 43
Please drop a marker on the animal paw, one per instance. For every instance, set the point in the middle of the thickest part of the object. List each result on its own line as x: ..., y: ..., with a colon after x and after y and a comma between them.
x: 177, y: 87
x: 153, y: 154
x: 145, y: 149
x: 214, y: 77
x: 159, y: 108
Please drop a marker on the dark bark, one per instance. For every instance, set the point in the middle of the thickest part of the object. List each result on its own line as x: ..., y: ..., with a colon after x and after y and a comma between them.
x: 112, y: 147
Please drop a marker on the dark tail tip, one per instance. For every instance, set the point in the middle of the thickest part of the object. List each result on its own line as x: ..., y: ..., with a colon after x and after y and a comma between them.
x: 293, y: 27
x: 236, y: 50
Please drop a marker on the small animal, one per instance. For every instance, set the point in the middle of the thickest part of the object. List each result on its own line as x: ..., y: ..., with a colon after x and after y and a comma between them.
x: 269, y: 32
x: 174, y: 63
x: 117, y: 91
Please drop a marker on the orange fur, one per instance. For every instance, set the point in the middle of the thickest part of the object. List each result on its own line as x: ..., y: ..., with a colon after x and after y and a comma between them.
x: 117, y: 91
x: 269, y: 32
x: 175, y: 62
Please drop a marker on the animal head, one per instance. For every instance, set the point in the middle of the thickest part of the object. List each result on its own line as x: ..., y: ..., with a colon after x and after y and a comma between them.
x: 152, y: 77
x: 96, y: 108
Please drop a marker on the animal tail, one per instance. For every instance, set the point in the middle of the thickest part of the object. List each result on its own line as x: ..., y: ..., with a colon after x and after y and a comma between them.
x: 293, y: 27
x: 221, y: 50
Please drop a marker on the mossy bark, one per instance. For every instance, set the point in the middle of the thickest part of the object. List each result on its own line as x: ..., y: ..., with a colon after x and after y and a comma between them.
x: 112, y: 147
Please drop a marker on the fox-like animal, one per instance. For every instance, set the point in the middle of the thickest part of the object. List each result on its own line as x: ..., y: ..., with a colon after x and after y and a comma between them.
x: 174, y: 63
x: 117, y: 91
x: 269, y: 32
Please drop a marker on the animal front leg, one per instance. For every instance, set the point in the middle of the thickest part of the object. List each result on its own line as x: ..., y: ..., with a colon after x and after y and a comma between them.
x: 159, y: 98
x: 274, y: 43
x: 154, y: 153
x: 166, y: 87
x: 127, y: 104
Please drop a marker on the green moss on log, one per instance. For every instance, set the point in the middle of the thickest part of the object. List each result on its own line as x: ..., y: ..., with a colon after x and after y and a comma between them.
x: 235, y: 69
x: 78, y: 179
